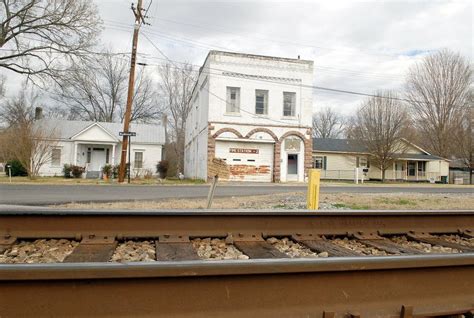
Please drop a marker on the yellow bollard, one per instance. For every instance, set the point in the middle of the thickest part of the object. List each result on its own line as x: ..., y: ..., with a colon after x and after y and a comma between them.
x: 314, y: 176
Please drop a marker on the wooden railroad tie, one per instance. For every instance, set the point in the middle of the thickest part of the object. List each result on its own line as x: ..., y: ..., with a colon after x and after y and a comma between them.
x: 254, y: 246
x: 433, y: 240
x: 175, y: 248
x: 384, y: 244
x: 319, y: 244
x: 93, y: 248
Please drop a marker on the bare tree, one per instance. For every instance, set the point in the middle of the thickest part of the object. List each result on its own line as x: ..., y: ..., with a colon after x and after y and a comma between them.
x: 177, y: 86
x: 20, y: 109
x: 25, y: 139
x: 464, y: 137
x: 37, y: 37
x: 379, y: 123
x: 438, y: 89
x: 100, y: 95
x: 327, y: 123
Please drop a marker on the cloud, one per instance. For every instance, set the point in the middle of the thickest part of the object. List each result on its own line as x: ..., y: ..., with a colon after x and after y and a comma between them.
x: 356, y: 45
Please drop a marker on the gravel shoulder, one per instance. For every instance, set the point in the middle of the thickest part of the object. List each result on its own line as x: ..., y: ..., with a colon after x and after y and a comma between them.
x: 297, y: 200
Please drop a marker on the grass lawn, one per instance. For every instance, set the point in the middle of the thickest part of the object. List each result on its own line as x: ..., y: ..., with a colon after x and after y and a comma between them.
x: 72, y: 181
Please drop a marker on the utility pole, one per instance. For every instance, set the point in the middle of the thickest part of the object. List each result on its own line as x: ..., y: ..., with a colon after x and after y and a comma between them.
x: 139, y: 19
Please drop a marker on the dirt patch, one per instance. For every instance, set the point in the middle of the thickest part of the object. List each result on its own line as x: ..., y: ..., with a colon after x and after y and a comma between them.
x: 297, y: 200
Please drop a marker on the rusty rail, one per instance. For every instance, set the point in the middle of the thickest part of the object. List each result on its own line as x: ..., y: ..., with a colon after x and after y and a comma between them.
x: 356, y: 286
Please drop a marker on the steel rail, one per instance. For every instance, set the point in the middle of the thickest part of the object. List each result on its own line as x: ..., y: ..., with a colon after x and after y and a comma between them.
x: 143, y: 224
x: 61, y: 271
x: 412, y: 286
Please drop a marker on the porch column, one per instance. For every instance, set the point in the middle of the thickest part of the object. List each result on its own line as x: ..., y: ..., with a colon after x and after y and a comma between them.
x: 416, y: 171
x: 75, y: 153
x: 113, y: 154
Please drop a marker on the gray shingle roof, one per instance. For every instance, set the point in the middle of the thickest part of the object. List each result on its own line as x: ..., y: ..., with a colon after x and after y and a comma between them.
x: 338, y: 145
x: 67, y: 128
x: 357, y: 146
x: 420, y: 156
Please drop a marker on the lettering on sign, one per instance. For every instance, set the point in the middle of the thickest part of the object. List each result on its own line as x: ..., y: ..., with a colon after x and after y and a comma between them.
x: 243, y: 150
x: 218, y: 167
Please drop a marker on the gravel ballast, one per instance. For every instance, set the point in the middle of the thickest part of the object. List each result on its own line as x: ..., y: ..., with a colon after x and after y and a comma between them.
x: 358, y: 247
x: 39, y: 251
x: 293, y: 249
x: 132, y: 251
x: 216, y: 249
x: 425, y: 247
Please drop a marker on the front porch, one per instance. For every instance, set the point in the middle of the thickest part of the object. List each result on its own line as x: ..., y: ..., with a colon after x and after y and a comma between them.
x: 412, y: 170
x: 94, y: 156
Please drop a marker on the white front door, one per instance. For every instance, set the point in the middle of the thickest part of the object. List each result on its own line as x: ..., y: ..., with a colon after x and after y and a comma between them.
x: 97, y: 159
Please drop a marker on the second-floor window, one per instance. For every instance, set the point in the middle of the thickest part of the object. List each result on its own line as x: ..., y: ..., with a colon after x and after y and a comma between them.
x: 233, y: 100
x: 289, y: 104
x: 261, y: 102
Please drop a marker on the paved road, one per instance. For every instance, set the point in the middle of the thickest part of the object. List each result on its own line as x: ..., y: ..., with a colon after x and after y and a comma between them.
x: 53, y: 194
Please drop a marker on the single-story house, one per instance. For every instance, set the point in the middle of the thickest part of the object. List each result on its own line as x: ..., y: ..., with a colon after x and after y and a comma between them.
x: 95, y: 144
x: 339, y: 158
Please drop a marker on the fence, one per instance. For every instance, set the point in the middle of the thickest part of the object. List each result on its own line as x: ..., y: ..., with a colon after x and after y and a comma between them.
x: 339, y: 174
x: 456, y: 176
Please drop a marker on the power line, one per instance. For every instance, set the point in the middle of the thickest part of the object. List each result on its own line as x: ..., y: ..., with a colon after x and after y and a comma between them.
x: 194, y: 43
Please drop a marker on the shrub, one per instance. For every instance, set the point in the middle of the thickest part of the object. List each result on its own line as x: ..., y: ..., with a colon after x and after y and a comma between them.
x: 162, y: 168
x: 17, y: 168
x: 67, y: 169
x: 107, y: 170
x: 77, y: 171
x: 115, y: 171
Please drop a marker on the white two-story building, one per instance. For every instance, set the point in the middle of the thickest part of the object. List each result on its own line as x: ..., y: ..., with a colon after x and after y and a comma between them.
x: 254, y: 112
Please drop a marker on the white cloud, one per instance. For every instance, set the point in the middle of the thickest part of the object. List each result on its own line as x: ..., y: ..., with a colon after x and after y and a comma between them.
x: 356, y: 45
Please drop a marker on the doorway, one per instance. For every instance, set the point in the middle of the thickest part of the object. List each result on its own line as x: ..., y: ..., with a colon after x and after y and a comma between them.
x: 98, y: 159
x: 292, y: 167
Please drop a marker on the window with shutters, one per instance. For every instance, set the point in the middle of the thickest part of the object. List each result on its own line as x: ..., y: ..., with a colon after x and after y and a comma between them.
x: 319, y: 162
x: 289, y: 104
x: 56, y: 157
x: 138, y: 160
x: 233, y: 100
x: 261, y: 102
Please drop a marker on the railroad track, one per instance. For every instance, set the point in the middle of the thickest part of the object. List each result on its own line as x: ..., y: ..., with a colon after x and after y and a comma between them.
x: 236, y: 264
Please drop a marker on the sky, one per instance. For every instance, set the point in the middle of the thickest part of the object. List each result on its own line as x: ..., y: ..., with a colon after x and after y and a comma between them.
x: 361, y: 46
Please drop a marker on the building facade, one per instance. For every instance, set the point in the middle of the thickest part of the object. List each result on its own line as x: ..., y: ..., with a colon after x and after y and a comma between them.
x: 339, y: 158
x: 254, y: 112
x: 94, y: 144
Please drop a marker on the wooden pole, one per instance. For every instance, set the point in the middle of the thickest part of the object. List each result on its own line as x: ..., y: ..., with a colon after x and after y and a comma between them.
x: 314, y: 177
x: 131, y: 83
x: 210, y: 195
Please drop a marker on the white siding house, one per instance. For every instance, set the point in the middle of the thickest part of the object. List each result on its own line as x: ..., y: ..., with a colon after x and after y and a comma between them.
x: 94, y: 144
x: 254, y: 112
x: 338, y: 159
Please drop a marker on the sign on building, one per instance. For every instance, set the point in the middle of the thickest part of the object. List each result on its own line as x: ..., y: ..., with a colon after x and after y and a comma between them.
x: 243, y: 150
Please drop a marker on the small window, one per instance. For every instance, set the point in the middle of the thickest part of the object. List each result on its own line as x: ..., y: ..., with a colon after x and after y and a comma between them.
x: 233, y: 100
x: 56, y: 157
x: 235, y: 159
x: 261, y: 102
x: 138, y: 160
x: 289, y: 104
x: 319, y: 163
x: 363, y: 162
x: 89, y: 155
x: 250, y: 160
